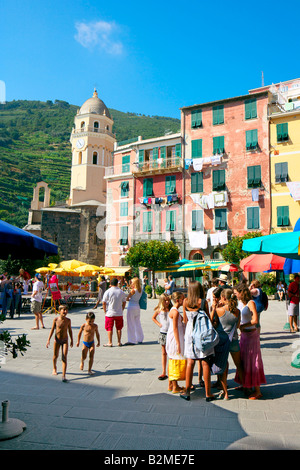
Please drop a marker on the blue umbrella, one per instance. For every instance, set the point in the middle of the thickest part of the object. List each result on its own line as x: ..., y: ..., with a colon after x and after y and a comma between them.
x: 286, y: 244
x: 292, y: 265
x: 20, y: 244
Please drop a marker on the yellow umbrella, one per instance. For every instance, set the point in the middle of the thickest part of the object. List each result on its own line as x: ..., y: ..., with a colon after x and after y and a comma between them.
x: 65, y: 272
x: 71, y: 264
x: 52, y: 265
x: 104, y: 270
x: 42, y: 270
x: 87, y: 269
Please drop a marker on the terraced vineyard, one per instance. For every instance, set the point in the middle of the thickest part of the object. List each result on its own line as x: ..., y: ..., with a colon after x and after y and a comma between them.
x: 34, y: 146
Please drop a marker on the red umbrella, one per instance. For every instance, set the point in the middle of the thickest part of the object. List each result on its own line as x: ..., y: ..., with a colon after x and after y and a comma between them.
x: 258, y: 263
x: 232, y: 268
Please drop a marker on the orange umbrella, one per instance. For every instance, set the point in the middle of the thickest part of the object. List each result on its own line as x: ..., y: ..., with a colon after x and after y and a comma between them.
x: 258, y: 263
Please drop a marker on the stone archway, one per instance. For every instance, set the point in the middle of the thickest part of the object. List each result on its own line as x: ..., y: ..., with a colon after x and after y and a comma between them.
x: 36, y: 204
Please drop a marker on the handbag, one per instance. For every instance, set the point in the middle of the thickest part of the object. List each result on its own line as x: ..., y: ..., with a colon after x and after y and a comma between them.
x: 177, y: 369
x: 143, y: 301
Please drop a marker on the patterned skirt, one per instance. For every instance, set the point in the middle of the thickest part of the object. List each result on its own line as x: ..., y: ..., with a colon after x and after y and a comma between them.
x: 254, y: 375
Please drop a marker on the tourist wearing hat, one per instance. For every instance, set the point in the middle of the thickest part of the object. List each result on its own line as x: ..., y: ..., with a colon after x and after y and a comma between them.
x: 223, y: 281
x: 36, y: 301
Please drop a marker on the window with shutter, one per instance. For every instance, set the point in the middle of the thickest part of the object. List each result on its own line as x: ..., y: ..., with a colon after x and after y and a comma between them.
x: 124, y: 235
x: 219, y: 180
x: 254, y: 176
x: 124, y: 209
x: 283, y: 216
x: 155, y: 157
x: 218, y: 145
x: 251, y: 139
x: 282, y: 132
x: 252, y: 218
x: 147, y: 221
x: 197, y: 182
x: 220, y: 219
x: 171, y: 221
x: 196, y: 118
x: 170, y: 184
x: 218, y: 115
x: 148, y: 187
x: 124, y: 188
x: 281, y: 172
x: 197, y: 220
x: 250, y: 109
x: 141, y: 158
x: 197, y: 148
x: 126, y: 164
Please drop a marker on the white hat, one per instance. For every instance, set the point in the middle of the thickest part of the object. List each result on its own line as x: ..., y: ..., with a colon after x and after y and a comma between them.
x: 223, y: 277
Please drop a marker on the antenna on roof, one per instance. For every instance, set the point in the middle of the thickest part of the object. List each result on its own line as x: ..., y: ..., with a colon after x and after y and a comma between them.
x: 262, y: 79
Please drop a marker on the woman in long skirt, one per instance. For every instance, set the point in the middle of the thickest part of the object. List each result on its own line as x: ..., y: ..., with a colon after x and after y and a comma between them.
x: 250, y: 344
x: 135, y: 333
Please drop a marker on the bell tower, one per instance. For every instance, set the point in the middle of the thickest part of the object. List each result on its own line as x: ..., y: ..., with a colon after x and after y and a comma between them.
x: 92, y: 142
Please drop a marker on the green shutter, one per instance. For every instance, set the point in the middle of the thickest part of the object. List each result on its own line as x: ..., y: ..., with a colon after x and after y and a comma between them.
x: 282, y: 132
x: 124, y: 209
x: 197, y: 218
x: 252, y: 217
x: 124, y: 188
x: 196, y: 118
x: 148, y: 187
x: 126, y: 164
x: 220, y: 219
x: 124, y: 236
x: 251, y: 139
x: 147, y: 221
x: 170, y: 184
x: 254, y: 176
x: 197, y: 182
x: 250, y: 109
x: 197, y: 148
x: 218, y: 180
x: 178, y: 152
x: 163, y: 157
x: 171, y: 221
x: 283, y: 216
x: 155, y: 157
x: 141, y: 158
x: 218, y: 145
x: 218, y: 115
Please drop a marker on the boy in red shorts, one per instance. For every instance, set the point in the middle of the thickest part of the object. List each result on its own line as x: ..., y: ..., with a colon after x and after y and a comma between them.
x: 114, y: 301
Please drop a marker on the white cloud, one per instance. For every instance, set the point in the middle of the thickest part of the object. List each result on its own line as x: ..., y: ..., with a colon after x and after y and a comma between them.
x: 99, y: 34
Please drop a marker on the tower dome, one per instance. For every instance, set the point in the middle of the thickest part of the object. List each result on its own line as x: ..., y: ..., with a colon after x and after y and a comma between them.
x: 95, y: 106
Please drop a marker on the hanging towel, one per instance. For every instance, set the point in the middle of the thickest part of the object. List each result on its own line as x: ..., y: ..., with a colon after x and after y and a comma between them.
x: 214, y: 239
x: 187, y: 163
x: 223, y: 237
x: 206, y: 160
x: 255, y: 194
x: 216, y: 159
x: 210, y: 201
x: 196, y: 198
x: 198, y: 240
x: 197, y: 164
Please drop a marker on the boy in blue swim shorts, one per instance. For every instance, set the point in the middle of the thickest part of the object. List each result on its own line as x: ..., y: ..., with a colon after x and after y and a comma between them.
x: 89, y: 330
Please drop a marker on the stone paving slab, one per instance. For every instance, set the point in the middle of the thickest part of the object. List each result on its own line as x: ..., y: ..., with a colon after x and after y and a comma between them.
x: 124, y: 407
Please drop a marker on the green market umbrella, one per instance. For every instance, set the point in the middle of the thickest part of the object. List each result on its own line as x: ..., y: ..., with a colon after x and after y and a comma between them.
x: 285, y: 244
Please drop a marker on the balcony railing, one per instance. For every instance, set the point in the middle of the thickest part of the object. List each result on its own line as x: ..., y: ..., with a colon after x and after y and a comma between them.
x: 162, y: 164
x: 96, y: 130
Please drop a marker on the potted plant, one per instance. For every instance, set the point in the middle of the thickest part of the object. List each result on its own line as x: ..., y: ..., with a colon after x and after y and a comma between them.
x: 148, y: 290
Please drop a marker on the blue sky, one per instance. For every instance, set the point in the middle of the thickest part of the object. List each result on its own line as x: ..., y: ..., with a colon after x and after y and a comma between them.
x: 146, y: 57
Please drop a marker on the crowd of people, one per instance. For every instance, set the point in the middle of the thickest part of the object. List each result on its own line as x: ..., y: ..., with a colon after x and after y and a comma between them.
x: 229, y: 310
x: 233, y: 313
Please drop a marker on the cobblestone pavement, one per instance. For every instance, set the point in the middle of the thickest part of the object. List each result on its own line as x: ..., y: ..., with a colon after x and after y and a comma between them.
x: 124, y: 407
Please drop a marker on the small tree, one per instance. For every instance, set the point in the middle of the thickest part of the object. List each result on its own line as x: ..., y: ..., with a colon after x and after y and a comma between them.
x: 154, y: 254
x: 233, y: 252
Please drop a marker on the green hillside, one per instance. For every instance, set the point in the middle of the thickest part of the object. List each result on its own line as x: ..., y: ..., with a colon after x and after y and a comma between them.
x: 35, y: 146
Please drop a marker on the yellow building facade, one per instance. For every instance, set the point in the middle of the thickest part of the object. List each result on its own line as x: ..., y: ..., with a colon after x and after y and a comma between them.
x: 284, y: 118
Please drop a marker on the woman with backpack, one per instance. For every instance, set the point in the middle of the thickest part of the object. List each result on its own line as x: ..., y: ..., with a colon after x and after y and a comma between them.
x: 250, y: 345
x: 226, y: 317
x: 194, y: 303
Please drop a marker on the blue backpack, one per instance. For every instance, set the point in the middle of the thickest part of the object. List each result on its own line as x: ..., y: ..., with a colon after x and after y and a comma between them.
x: 204, y: 336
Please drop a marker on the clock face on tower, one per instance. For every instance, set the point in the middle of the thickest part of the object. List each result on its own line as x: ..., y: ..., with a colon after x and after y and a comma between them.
x: 80, y: 143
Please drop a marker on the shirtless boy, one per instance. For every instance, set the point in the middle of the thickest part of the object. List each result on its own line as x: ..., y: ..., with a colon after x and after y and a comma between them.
x: 61, y: 326
x: 89, y: 330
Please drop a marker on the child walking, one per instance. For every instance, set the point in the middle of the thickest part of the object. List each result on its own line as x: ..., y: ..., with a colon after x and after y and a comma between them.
x: 89, y: 330
x: 175, y: 344
x: 62, y: 327
x: 161, y: 318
